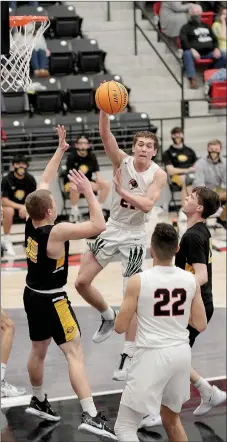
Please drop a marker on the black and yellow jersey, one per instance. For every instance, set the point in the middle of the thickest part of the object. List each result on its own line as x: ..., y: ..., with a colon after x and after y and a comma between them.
x: 43, y: 273
x: 196, y: 247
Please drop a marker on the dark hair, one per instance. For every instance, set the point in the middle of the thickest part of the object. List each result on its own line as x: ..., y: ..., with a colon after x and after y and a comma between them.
x: 176, y: 130
x: 37, y: 204
x: 82, y: 136
x: 164, y: 241
x: 146, y: 134
x: 19, y: 159
x: 208, y: 199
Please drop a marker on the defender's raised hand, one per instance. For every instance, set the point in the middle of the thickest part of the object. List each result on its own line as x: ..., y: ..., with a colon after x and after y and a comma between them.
x: 79, y: 182
x: 63, y: 145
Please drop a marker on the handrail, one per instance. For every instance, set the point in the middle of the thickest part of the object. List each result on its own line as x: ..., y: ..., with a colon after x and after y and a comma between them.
x: 137, y: 26
x: 108, y: 17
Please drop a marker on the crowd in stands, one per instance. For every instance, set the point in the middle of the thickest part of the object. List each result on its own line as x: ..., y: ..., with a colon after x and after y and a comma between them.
x: 201, y: 38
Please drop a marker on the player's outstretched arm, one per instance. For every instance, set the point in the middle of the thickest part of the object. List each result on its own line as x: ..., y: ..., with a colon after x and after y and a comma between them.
x: 111, y: 147
x: 198, y: 319
x: 50, y: 172
x: 128, y: 306
x: 144, y: 203
x: 67, y: 231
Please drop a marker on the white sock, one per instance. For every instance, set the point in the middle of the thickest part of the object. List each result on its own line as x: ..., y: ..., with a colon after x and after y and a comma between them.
x: 75, y: 209
x: 108, y: 314
x: 129, y: 348
x: 204, y: 387
x: 88, y: 406
x: 6, y: 238
x: 39, y: 393
x: 3, y: 370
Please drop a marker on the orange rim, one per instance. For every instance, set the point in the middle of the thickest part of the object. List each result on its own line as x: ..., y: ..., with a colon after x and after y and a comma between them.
x: 25, y: 19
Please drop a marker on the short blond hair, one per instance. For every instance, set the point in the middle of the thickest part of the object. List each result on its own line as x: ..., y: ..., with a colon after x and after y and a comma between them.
x: 211, y: 142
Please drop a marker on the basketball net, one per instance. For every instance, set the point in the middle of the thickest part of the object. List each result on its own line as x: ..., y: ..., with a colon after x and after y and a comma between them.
x: 15, y: 67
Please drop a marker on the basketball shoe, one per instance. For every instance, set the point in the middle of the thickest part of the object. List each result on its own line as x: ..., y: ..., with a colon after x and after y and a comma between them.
x: 149, y: 421
x: 42, y: 409
x: 216, y: 398
x: 121, y: 373
x: 96, y: 425
x: 104, y: 330
x: 8, y: 390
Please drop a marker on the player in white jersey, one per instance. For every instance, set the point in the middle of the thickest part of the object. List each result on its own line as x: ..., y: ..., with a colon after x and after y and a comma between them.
x: 138, y: 182
x: 165, y: 298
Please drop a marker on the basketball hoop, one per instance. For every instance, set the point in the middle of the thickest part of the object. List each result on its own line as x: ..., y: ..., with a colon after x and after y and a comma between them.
x: 15, y: 68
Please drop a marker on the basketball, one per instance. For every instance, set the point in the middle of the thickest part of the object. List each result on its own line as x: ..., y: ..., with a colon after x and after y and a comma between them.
x: 111, y: 97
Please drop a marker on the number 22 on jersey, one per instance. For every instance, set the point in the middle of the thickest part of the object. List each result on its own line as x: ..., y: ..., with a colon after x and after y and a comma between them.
x: 162, y: 308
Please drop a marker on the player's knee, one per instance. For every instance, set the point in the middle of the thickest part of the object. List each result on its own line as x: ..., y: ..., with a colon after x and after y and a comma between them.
x: 7, y: 324
x: 82, y: 282
x: 39, y: 349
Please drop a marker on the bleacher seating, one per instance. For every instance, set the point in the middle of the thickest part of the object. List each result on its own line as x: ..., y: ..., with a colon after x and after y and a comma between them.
x: 218, y: 97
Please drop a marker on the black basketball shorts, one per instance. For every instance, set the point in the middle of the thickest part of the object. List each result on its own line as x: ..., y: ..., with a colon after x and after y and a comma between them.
x: 193, y: 333
x: 50, y: 316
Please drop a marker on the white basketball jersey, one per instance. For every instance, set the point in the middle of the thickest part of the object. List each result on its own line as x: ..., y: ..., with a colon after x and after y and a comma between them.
x: 137, y: 183
x: 164, y: 306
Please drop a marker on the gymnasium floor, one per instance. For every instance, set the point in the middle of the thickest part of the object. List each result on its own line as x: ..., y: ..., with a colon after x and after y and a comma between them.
x: 209, y: 354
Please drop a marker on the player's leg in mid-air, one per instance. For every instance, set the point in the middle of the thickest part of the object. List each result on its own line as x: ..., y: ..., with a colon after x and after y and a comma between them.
x: 7, y: 334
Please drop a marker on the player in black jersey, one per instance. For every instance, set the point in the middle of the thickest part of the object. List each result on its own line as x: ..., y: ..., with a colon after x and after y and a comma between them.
x: 195, y: 255
x: 48, y: 309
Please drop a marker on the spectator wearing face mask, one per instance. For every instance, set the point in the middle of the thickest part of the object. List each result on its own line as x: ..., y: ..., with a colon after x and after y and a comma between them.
x: 16, y: 185
x: 81, y: 158
x: 210, y: 171
x: 198, y: 42
x: 179, y: 160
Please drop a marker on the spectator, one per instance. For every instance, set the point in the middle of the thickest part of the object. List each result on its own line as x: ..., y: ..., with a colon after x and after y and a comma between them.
x: 39, y: 58
x: 83, y: 159
x: 16, y: 185
x: 198, y: 41
x: 219, y: 30
x: 173, y: 15
x: 210, y: 171
x: 179, y: 160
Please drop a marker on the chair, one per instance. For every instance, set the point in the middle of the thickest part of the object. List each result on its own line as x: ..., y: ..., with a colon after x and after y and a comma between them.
x: 132, y: 122
x: 99, y: 78
x: 15, y: 139
x: 74, y: 125
x: 174, y: 188
x: 90, y: 57
x: 218, y: 90
x: 64, y: 21
x: 62, y: 59
x: 50, y: 99
x: 41, y: 133
x: 207, y: 18
x: 14, y: 102
x: 79, y: 94
x: 29, y: 10
x: 92, y: 129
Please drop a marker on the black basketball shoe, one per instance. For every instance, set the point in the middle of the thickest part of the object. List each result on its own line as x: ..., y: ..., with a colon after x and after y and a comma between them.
x: 96, y: 425
x: 42, y: 410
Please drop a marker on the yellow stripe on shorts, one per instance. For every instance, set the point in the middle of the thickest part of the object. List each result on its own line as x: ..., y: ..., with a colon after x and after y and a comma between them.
x: 67, y: 321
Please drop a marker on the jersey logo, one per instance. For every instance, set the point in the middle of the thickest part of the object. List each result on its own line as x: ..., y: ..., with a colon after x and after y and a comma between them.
x: 32, y: 249
x: 133, y: 184
x: 135, y: 262
x: 19, y: 194
x: 84, y: 168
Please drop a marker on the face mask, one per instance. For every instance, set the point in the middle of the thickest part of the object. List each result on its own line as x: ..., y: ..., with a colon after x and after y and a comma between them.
x: 214, y: 156
x: 177, y: 140
x: 20, y: 171
x: 195, y: 18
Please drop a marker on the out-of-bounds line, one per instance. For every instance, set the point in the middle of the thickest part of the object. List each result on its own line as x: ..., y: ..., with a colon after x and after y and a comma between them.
x: 25, y: 400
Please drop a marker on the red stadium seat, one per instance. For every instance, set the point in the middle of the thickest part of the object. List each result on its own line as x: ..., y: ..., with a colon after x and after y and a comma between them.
x: 218, y: 91
x: 203, y: 61
x: 156, y: 8
x: 208, y: 73
x: 207, y: 18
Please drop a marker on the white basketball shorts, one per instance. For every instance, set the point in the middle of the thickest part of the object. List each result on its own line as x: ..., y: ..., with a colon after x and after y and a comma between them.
x: 130, y: 243
x: 158, y: 376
